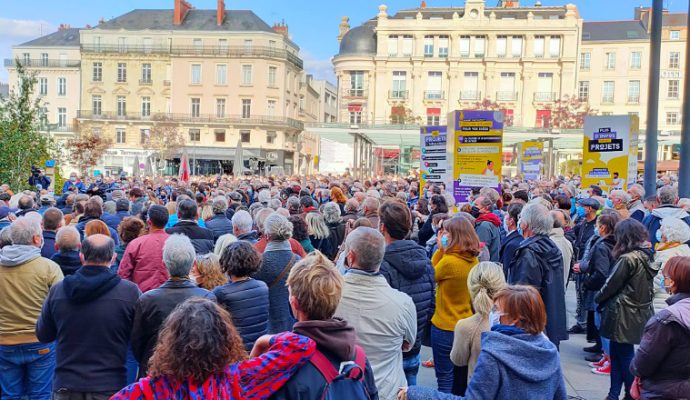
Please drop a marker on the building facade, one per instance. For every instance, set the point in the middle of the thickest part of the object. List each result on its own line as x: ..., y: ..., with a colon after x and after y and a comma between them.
x: 419, y: 64
x: 211, y: 78
x: 55, y: 60
x: 221, y: 76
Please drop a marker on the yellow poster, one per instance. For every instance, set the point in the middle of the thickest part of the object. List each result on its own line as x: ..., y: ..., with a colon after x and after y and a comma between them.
x: 531, y: 159
x: 609, y: 153
x: 476, y: 149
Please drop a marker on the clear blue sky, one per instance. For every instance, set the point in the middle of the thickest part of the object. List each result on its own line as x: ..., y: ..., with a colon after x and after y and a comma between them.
x: 313, y: 24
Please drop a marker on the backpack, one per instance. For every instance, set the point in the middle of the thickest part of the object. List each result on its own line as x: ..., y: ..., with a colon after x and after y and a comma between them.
x: 348, y: 383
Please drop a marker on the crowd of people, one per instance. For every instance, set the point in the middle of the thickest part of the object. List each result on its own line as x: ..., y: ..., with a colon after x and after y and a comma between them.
x: 329, y: 286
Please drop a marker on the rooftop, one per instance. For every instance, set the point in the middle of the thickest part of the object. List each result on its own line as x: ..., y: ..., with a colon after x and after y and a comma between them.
x: 613, y: 30
x: 68, y: 37
x: 195, y: 20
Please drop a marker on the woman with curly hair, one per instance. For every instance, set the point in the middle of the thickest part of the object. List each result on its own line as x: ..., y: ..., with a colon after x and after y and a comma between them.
x: 129, y: 229
x: 199, y: 355
x: 207, y: 273
x: 246, y: 299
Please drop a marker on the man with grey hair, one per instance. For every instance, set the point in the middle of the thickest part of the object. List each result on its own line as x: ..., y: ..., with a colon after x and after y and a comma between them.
x: 636, y: 204
x: 67, y: 246
x: 619, y: 200
x: 385, y: 319
x: 351, y: 208
x: 101, y: 299
x: 370, y: 210
x: 667, y: 197
x: 25, y: 279
x: 242, y: 227
x: 219, y: 224
x: 260, y: 245
x: 154, y: 306
x: 538, y: 262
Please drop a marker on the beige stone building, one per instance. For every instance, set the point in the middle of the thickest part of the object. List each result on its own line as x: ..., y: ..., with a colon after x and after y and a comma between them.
x: 222, y: 76
x: 424, y: 62
x: 613, y: 72
x: 56, y: 62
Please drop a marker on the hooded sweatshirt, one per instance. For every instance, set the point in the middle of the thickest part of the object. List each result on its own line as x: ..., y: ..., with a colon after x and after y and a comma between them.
x: 653, y: 221
x: 25, y: 278
x: 336, y: 340
x: 519, y: 366
x: 90, y: 316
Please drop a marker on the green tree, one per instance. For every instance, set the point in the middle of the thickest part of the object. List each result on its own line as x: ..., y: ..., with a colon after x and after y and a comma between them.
x: 22, y: 143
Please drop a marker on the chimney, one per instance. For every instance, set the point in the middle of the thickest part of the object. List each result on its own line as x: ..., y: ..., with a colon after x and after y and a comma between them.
x: 281, y: 28
x: 344, y: 27
x: 101, y: 20
x: 220, y: 16
x: 181, y: 9
x: 423, y: 5
x: 63, y: 27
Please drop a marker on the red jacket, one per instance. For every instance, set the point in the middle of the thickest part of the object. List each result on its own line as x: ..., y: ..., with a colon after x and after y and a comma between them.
x: 257, y: 378
x: 142, y: 262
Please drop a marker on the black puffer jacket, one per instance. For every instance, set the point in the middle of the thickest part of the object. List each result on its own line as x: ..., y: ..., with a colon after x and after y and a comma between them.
x: 597, y: 267
x: 151, y: 310
x: 202, y: 238
x: 539, y: 263
x: 247, y: 303
x: 408, y: 269
x: 626, y: 300
x: 662, y: 358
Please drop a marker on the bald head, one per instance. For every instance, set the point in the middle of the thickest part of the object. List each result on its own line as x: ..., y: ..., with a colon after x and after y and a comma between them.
x: 97, y: 250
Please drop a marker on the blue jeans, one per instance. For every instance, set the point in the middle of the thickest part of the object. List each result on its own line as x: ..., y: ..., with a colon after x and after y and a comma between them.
x: 26, y: 371
x: 411, y: 368
x: 605, y: 343
x: 621, y: 357
x: 441, y: 344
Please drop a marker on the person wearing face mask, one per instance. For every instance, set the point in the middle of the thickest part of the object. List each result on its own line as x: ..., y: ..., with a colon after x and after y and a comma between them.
x: 660, y: 364
x: 437, y: 205
x: 154, y: 306
x: 596, y: 270
x: 538, y: 262
x: 458, y: 248
x: 73, y: 182
x: 484, y: 281
x: 673, y: 236
x: 516, y: 360
x: 619, y: 200
x: 487, y: 226
x: 513, y: 237
x: 584, y: 231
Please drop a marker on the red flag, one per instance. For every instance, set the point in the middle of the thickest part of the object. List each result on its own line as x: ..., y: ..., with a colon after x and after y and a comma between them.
x: 184, y: 167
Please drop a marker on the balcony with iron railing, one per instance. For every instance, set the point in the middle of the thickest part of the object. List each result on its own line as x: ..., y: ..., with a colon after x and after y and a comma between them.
x: 41, y: 63
x: 634, y: 99
x: 166, y: 83
x: 398, y: 94
x: 606, y: 99
x: 544, y: 97
x: 471, y: 95
x: 193, y: 119
x: 355, y: 93
x: 506, y: 96
x: 434, y: 95
x: 145, y: 82
x: 212, y: 51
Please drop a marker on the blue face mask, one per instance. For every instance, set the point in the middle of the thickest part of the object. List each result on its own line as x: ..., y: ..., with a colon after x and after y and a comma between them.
x: 444, y: 241
x: 597, y: 232
x: 658, y: 236
x: 519, y: 229
x: 581, y: 211
x: 609, y: 203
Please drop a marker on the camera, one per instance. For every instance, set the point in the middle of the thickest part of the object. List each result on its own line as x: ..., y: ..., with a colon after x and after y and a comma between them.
x: 35, y: 171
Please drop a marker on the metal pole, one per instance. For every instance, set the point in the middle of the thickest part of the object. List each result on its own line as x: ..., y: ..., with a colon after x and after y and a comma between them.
x: 651, y: 141
x: 684, y: 167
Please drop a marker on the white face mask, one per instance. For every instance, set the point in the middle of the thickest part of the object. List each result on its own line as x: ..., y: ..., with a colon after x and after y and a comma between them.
x: 494, y: 319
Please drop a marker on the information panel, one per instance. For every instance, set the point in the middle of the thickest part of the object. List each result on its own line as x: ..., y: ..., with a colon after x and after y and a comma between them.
x: 609, y: 152
x: 434, y: 159
x: 477, y: 150
x: 531, y: 159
